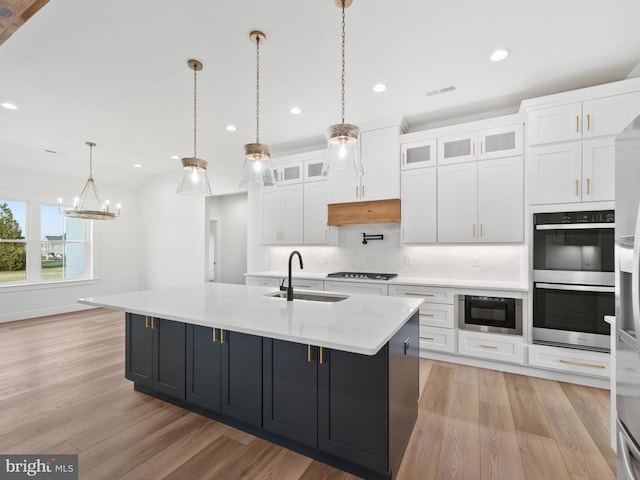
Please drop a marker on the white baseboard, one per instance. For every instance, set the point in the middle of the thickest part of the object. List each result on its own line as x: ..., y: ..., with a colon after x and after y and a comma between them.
x: 42, y: 312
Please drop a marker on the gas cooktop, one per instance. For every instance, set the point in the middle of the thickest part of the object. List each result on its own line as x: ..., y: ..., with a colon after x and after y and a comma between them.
x: 363, y: 275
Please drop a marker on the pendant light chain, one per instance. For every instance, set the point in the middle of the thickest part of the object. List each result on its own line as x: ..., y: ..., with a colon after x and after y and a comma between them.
x: 343, y: 62
x: 195, y: 110
x: 258, y: 89
x: 90, y: 159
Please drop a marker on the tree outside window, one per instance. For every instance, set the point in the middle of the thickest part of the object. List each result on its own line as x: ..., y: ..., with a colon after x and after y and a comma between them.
x: 13, y: 252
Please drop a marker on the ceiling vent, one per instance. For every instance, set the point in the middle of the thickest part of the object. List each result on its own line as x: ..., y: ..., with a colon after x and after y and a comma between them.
x: 5, y: 12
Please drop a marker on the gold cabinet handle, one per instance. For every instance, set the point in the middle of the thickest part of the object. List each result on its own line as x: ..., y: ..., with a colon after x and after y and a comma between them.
x: 481, y: 229
x: 308, y: 353
x: 427, y: 338
x: 581, y: 364
x: 588, y: 186
x: 492, y: 347
x: 146, y: 322
x: 474, y: 230
x: 221, y: 336
x: 362, y: 191
x: 357, y: 191
x: 577, y: 123
x: 481, y: 148
x: 321, y: 356
x: 474, y: 148
x: 153, y: 323
x: 215, y: 339
x: 403, y: 158
x: 588, y: 121
x: 419, y: 294
x: 577, y: 186
x: 427, y: 315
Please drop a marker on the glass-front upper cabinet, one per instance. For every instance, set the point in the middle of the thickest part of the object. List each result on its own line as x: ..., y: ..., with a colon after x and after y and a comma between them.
x: 289, y: 172
x: 418, y: 154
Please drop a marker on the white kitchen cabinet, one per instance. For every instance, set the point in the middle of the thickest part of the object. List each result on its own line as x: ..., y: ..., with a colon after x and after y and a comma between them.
x: 296, y: 283
x: 568, y: 172
x: 418, y: 154
x: 457, y: 203
x: 360, y: 288
x: 315, y: 230
x: 429, y: 294
x: 282, y: 215
x: 287, y: 173
x: 437, y: 339
x: 505, y: 348
x: 262, y: 281
x: 418, y: 206
x: 380, y: 154
x: 574, y: 121
x: 313, y: 168
x: 570, y: 360
x: 493, y: 142
x: 501, y: 200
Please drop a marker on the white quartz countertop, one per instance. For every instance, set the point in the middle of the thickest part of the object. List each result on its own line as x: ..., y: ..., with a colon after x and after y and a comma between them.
x: 360, y: 324
x: 421, y: 281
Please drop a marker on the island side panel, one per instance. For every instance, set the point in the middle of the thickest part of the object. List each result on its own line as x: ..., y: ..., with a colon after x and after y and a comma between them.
x: 404, y: 389
x: 352, y: 407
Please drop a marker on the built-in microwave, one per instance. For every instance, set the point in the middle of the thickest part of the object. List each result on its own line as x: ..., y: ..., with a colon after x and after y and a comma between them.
x: 490, y: 314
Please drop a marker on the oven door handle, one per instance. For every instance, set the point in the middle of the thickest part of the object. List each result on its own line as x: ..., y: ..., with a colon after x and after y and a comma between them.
x: 578, y: 288
x: 635, y: 276
x: 575, y: 226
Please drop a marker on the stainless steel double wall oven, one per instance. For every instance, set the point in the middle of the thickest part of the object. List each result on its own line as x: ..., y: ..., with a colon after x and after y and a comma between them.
x: 574, y: 275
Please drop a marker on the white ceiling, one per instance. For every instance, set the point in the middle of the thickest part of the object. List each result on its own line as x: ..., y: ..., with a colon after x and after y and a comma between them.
x: 114, y: 72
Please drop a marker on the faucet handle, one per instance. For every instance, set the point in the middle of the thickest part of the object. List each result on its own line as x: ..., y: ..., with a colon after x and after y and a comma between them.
x: 282, y: 287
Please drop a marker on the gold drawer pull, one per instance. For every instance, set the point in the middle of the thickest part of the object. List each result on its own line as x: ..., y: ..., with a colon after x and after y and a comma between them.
x: 577, y: 123
x: 321, y: 356
x: 577, y: 184
x: 221, y: 336
x: 492, y: 347
x: 215, y: 339
x: 427, y: 315
x: 588, y: 186
x: 588, y: 121
x: 146, y: 322
x: 427, y: 338
x: 308, y: 353
x: 419, y: 294
x: 581, y: 364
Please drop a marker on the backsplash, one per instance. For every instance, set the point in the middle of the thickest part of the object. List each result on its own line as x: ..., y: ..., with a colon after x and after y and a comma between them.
x: 506, y: 263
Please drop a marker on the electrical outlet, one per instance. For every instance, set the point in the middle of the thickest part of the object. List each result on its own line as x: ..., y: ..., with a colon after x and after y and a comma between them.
x: 408, y: 260
x: 475, y: 261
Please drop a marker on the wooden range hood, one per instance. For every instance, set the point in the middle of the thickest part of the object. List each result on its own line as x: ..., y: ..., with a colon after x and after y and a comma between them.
x: 357, y: 213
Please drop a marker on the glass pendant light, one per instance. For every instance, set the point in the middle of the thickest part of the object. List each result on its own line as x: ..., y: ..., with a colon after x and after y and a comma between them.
x: 84, y: 208
x: 194, y: 174
x: 343, y: 155
x: 257, y: 171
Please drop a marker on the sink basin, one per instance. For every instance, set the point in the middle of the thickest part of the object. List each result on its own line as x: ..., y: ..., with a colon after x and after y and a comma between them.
x: 310, y: 296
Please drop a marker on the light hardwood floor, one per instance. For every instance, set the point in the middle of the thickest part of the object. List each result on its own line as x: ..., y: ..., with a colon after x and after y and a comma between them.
x: 62, y: 390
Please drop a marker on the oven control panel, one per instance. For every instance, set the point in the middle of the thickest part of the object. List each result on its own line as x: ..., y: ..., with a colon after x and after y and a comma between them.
x: 558, y: 218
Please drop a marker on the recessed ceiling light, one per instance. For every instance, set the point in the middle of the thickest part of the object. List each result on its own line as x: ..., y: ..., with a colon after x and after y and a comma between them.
x: 499, y: 54
x: 9, y: 106
x: 295, y: 110
x: 137, y: 165
x: 379, y: 87
x: 175, y: 157
x: 230, y: 128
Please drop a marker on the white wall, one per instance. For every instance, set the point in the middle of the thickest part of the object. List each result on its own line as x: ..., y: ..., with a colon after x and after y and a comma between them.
x: 495, y: 262
x: 118, y: 265
x: 173, y: 234
x: 230, y: 211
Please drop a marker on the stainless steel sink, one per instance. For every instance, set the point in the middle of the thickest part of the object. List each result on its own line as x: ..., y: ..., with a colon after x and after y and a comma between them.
x: 310, y: 296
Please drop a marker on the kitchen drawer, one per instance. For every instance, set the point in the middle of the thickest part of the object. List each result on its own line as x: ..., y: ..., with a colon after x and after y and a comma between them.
x: 262, y: 281
x: 570, y: 360
x: 428, y: 294
x: 438, y: 339
x: 504, y: 348
x: 304, y: 284
x: 437, y: 315
x: 358, y: 288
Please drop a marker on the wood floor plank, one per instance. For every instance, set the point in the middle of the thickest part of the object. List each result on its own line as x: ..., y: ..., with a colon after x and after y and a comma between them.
x: 580, y: 453
x: 69, y: 395
x: 528, y: 415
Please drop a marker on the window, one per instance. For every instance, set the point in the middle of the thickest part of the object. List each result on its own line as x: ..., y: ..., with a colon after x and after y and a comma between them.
x: 38, y: 244
x: 13, y: 248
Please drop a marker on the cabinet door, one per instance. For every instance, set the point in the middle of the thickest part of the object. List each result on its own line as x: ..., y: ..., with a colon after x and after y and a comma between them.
x: 169, y: 357
x: 291, y: 218
x: 457, y: 203
x: 271, y: 217
x: 598, y: 169
x: 287, y: 173
x: 457, y: 148
x: 316, y: 230
x: 555, y: 173
x: 418, y: 205
x: 609, y: 115
x: 418, y: 154
x: 352, y: 407
x: 500, y: 142
x: 290, y: 387
x: 313, y: 169
x: 381, y: 162
x: 241, y: 385
x: 555, y: 124
x: 203, y: 367
x: 138, y: 349
x: 501, y: 200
